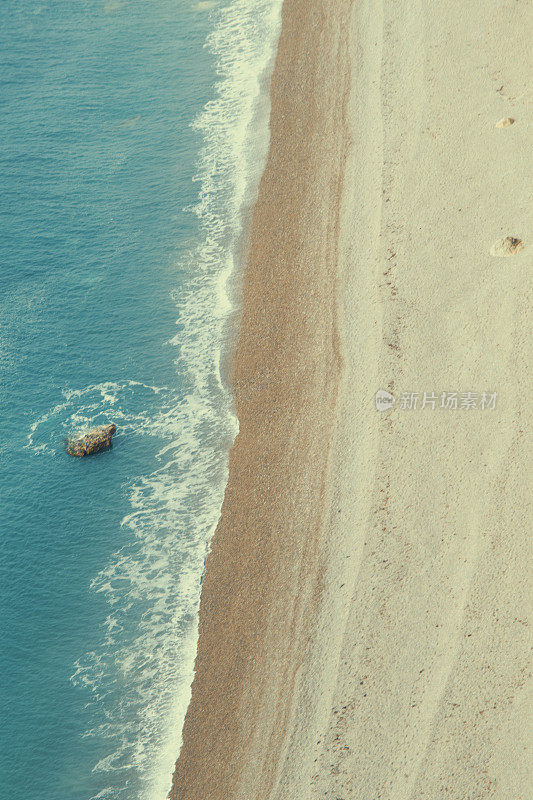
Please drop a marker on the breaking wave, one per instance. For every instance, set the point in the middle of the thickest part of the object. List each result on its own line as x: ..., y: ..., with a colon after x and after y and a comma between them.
x: 139, y: 678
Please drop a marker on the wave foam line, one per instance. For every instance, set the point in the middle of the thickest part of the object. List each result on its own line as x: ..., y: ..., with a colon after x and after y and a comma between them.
x: 140, y: 678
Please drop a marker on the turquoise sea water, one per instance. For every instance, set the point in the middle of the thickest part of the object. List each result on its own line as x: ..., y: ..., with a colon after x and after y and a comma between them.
x: 128, y: 151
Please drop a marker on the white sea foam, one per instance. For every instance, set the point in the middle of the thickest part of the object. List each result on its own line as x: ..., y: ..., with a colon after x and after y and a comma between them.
x: 82, y: 409
x: 142, y: 673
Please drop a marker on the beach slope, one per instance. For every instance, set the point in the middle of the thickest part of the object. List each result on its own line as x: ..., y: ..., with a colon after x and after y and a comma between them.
x: 363, y: 620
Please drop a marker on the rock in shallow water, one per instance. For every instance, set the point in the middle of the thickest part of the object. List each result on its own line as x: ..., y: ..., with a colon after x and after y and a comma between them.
x: 93, y: 442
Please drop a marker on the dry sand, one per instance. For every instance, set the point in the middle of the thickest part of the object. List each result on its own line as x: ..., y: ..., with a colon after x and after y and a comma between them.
x: 363, y: 624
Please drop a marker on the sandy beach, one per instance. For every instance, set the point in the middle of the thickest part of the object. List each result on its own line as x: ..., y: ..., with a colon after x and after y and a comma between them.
x: 363, y: 619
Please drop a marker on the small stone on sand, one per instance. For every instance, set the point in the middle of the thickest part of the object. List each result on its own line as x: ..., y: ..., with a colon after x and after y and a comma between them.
x: 509, y: 246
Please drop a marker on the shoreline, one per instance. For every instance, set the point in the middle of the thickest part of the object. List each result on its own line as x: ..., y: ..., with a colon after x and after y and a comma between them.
x: 263, y: 573
x: 363, y: 619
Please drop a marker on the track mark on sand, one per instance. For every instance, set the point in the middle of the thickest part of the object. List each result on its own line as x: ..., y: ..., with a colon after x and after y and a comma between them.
x: 508, y: 246
x: 506, y: 122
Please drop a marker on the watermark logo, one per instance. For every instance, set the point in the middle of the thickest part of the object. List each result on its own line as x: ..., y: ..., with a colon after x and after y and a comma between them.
x: 449, y: 401
x: 384, y: 400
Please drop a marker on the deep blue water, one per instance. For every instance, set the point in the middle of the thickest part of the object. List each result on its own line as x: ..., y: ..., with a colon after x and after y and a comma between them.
x: 96, y: 162
x: 117, y: 222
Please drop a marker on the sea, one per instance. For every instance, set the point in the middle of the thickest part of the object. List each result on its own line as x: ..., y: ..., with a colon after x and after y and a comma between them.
x: 132, y: 138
